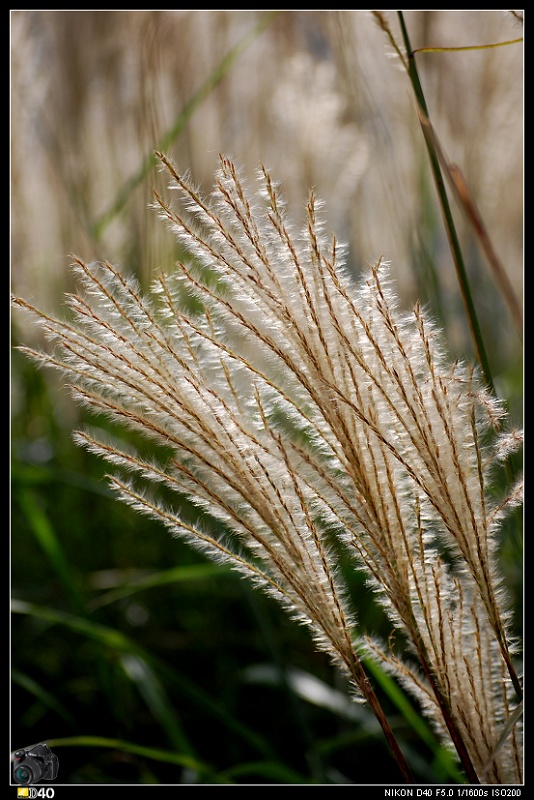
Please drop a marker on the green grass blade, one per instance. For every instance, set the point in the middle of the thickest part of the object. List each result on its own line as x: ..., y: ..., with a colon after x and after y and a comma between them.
x: 109, y: 637
x: 155, y: 697
x: 45, y: 535
x: 193, y: 572
x: 215, y: 709
x: 444, y: 760
x: 155, y: 753
x: 117, y: 641
x: 181, y: 121
x: 47, y: 699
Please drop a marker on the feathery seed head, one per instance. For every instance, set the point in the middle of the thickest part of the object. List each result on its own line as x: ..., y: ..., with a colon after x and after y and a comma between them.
x: 304, y: 410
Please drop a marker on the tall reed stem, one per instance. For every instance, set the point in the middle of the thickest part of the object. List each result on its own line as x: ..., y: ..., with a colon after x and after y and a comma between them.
x: 364, y: 684
x: 447, y: 214
x: 458, y: 261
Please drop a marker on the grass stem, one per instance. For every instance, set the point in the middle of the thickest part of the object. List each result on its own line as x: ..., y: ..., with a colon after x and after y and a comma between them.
x: 450, y: 227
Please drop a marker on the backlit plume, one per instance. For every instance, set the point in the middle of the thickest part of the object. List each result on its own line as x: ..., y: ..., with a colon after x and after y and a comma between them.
x: 306, y: 416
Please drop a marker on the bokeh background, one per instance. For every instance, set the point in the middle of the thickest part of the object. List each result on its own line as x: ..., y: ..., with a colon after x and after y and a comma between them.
x: 122, y: 638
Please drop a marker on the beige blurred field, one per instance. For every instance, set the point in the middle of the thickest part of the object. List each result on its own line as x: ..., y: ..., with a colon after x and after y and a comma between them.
x: 317, y: 96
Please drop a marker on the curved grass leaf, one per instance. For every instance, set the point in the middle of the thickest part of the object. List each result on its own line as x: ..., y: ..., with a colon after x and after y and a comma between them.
x: 44, y: 533
x: 192, y: 572
x: 154, y: 753
x: 116, y: 640
x: 47, y: 699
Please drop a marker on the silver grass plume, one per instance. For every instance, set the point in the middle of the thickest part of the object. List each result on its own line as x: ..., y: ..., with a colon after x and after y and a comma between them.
x: 305, y: 413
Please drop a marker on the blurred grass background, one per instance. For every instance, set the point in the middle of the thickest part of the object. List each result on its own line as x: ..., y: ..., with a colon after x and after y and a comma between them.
x: 136, y: 660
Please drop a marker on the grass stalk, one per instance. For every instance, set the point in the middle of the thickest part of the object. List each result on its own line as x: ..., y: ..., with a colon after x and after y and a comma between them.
x: 444, y: 757
x: 450, y: 227
x: 362, y: 681
x: 460, y: 189
x: 456, y: 737
x: 436, y: 159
